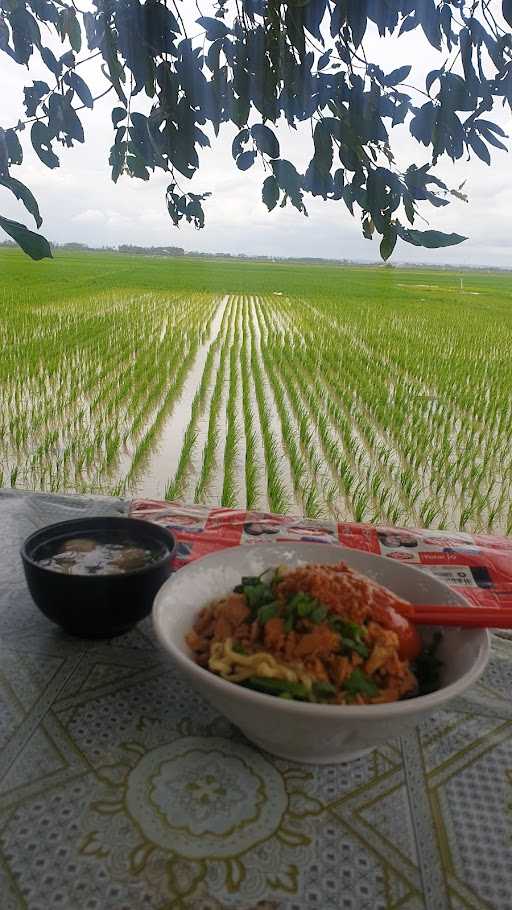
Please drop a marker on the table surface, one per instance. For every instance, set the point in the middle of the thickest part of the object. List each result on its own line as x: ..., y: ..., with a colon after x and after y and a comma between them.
x: 121, y: 789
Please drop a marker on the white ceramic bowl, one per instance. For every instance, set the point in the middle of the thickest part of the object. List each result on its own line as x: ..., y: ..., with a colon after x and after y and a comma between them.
x: 320, y: 734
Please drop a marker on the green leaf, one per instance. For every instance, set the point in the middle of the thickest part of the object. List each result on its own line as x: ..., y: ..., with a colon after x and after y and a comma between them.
x: 357, y: 19
x: 239, y: 141
x: 398, y: 75
x: 50, y: 61
x: 33, y: 95
x: 118, y: 114
x: 41, y: 139
x: 32, y: 244
x: 265, y: 140
x: 430, y: 239
x: 479, y: 147
x: 507, y: 11
x: 255, y: 64
x: 387, y: 244
x: 68, y: 59
x: 71, y: 27
x: 23, y: 193
x: 14, y: 149
x: 322, y: 138
x: 245, y: 160
x: 4, y: 153
x: 289, y: 181
x: 80, y: 87
x: 213, y: 28
x: 324, y: 60
x: 270, y: 192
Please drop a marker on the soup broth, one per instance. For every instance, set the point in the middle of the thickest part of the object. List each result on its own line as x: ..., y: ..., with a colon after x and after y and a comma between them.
x: 99, y: 554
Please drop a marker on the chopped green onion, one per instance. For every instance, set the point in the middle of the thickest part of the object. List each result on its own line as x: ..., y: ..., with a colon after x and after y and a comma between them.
x: 356, y: 646
x: 267, y: 612
x: 359, y: 683
x: 318, y: 615
x: 303, y: 603
x: 289, y: 622
x: 258, y: 595
x: 279, y: 687
x: 346, y: 628
x: 323, y: 690
x: 250, y: 580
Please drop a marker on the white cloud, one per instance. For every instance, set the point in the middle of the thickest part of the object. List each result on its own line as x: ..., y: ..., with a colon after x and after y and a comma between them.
x: 90, y: 216
x: 79, y: 202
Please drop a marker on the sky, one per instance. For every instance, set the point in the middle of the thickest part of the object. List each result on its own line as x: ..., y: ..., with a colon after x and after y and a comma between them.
x: 79, y: 202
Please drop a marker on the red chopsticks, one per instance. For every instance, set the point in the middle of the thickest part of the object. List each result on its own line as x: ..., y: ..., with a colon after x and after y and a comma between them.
x: 467, y: 617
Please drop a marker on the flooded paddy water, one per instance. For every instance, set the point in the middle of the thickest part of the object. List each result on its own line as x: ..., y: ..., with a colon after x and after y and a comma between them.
x: 263, y: 401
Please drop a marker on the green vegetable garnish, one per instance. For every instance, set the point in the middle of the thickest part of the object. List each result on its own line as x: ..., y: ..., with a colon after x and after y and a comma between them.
x: 288, y: 625
x: 303, y: 606
x: 238, y: 648
x: 267, y: 612
x: 318, y: 615
x: 347, y: 629
x: 258, y: 595
x: 322, y: 690
x: 250, y: 581
x: 359, y: 683
x: 303, y: 603
x: 279, y: 687
x: 356, y: 646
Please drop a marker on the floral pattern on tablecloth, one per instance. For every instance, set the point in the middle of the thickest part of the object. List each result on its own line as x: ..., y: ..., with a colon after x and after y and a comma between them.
x: 120, y: 789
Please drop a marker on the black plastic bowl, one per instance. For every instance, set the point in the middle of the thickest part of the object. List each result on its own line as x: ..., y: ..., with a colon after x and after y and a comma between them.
x: 97, y: 606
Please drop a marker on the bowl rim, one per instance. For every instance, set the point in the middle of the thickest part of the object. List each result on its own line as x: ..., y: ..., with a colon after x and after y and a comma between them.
x: 94, y: 523
x: 403, y: 708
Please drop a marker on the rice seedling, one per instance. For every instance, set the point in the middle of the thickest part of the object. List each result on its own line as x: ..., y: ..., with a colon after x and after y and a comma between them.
x: 176, y: 486
x: 357, y: 403
x: 229, y: 489
x: 210, y: 447
x: 276, y: 492
x: 252, y: 467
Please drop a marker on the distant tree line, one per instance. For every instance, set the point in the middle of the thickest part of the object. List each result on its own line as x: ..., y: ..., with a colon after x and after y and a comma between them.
x: 151, y: 250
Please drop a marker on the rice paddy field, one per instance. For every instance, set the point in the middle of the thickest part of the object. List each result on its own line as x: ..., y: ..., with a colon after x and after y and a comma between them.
x: 368, y: 393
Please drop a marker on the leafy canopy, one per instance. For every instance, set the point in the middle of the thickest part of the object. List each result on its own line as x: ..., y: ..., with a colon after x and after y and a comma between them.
x: 264, y: 66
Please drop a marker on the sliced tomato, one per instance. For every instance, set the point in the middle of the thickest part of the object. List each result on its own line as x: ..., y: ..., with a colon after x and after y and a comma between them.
x: 410, y: 643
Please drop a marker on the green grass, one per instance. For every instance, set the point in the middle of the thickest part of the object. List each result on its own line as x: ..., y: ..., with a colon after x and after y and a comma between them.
x: 72, y: 274
x: 381, y: 394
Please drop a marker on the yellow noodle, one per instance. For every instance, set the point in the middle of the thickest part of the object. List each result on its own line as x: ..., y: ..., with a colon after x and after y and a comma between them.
x: 237, y: 667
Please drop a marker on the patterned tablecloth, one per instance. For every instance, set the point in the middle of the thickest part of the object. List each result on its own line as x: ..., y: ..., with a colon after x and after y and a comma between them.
x: 120, y: 789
